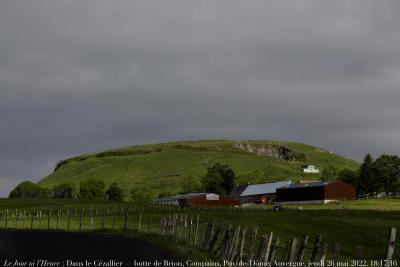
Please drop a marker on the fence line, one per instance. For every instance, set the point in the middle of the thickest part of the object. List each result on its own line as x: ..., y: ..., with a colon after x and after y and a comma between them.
x: 224, y: 242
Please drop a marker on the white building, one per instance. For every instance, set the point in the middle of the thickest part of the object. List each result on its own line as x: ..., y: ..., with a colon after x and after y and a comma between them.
x: 310, y: 169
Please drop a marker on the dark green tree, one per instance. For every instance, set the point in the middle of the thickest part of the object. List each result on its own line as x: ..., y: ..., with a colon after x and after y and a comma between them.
x: 329, y: 172
x: 367, y: 182
x: 114, y: 192
x: 387, y: 173
x: 350, y: 177
x: 26, y: 189
x: 212, y: 183
x: 219, y: 179
x: 91, y: 189
x: 65, y: 190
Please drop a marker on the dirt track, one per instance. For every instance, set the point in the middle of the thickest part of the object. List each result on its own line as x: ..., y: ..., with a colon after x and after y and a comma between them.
x: 74, y: 249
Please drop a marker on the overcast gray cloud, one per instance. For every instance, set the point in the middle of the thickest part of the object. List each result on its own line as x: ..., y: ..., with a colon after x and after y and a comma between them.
x: 82, y: 76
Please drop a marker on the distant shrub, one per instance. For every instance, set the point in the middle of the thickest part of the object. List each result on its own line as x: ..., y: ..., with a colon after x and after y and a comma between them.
x: 45, y: 192
x: 220, y: 179
x: 26, y: 189
x: 114, y: 192
x: 65, y: 190
x: 140, y: 194
x: 91, y: 189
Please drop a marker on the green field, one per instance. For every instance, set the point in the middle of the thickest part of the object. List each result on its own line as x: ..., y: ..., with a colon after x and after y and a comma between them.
x: 351, y: 227
x: 163, y: 168
x: 365, y: 204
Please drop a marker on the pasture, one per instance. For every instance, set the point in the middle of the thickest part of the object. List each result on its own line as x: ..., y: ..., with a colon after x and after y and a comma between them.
x: 351, y: 227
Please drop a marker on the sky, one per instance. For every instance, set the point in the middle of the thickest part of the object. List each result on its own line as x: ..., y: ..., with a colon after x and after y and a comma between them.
x: 84, y: 76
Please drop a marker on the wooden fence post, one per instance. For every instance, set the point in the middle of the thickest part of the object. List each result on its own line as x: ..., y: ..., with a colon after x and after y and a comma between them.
x: 241, y: 245
x: 302, y: 249
x: 161, y: 226
x: 148, y: 224
x: 140, y: 222
x: 274, y: 247
x: 208, y: 235
x: 32, y: 218
x: 225, y: 245
x: 68, y: 219
x: 221, y: 251
x: 262, y: 247
x: 103, y: 220
x: 39, y: 215
x: 185, y: 227
x: 315, y: 249
x: 58, y: 220
x: 359, y: 255
x: 203, y: 236
x: 197, y: 229
x: 235, y: 244
x: 16, y: 219
x: 48, y: 220
x: 22, y: 217
x: 6, y: 225
x: 80, y: 221
x: 324, y: 251
x: 214, y: 239
x: 174, y: 223
x: 91, y: 221
x: 126, y: 222
x: 268, y: 247
x: 252, y: 243
x: 390, y: 249
x: 190, y: 229
x: 292, y: 250
x: 336, y: 252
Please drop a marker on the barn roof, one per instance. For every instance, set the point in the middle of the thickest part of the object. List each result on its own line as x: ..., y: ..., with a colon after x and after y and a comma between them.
x: 260, y: 189
x: 312, y: 184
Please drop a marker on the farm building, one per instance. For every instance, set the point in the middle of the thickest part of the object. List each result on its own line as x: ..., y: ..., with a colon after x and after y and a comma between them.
x: 258, y: 193
x: 310, y: 169
x: 315, y: 192
x: 197, y: 199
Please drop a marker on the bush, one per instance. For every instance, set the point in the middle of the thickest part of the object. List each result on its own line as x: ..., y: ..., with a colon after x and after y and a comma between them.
x: 140, y: 194
x: 45, y: 192
x: 220, y: 179
x: 26, y: 189
x: 92, y: 189
x: 65, y: 190
x: 115, y: 193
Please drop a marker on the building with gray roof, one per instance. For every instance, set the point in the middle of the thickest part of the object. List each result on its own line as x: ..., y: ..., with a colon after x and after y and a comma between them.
x: 258, y: 193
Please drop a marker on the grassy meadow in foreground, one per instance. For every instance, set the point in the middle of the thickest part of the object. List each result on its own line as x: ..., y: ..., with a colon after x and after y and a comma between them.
x: 351, y: 227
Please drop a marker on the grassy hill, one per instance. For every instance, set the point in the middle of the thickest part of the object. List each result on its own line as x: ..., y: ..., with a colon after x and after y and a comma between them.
x: 164, y: 167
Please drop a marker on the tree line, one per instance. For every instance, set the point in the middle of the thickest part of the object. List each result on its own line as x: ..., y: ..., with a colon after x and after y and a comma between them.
x: 219, y: 179
x: 89, y: 189
x: 381, y: 175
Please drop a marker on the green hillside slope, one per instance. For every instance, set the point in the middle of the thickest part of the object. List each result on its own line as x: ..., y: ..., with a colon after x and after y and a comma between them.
x: 164, y: 167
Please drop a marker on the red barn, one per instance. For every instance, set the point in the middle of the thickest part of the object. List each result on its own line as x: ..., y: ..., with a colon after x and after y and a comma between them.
x: 315, y: 192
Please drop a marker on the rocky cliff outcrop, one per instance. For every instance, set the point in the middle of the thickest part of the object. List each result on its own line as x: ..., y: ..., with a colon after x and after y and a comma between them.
x: 270, y: 150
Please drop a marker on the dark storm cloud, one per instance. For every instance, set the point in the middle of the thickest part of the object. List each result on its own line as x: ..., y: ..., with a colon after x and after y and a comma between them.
x: 79, y: 76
